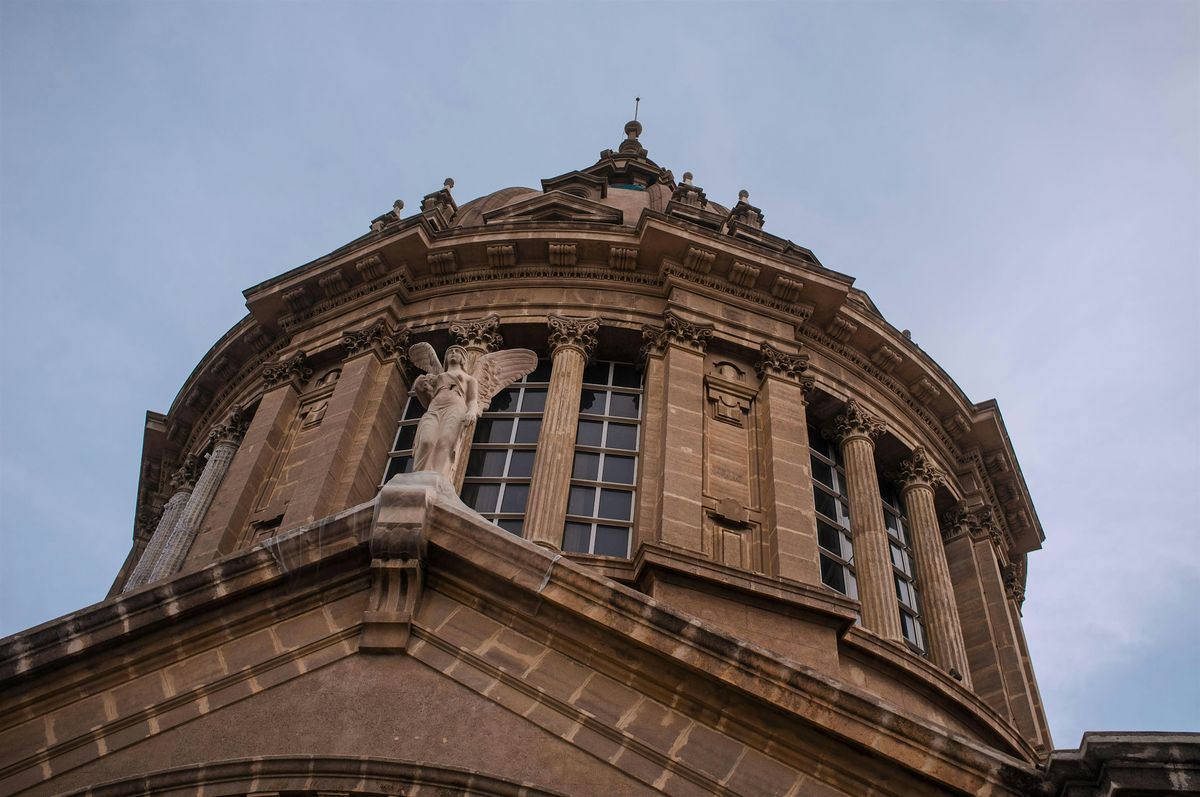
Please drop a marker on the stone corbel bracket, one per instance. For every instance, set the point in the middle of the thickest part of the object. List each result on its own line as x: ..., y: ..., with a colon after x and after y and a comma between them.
x: 399, y: 548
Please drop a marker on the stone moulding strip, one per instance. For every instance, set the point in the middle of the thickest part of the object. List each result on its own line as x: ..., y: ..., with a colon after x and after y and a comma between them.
x: 746, y: 667
x: 319, y: 774
x: 397, y: 276
x: 800, y: 310
x: 433, y: 282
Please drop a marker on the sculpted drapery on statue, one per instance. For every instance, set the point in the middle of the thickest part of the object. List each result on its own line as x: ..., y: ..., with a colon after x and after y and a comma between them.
x: 455, y: 397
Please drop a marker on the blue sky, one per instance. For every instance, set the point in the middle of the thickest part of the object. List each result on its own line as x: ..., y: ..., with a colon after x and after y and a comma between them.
x: 1018, y: 183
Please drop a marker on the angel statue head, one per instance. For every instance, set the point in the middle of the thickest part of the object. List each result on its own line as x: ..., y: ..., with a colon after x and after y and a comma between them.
x: 454, y: 398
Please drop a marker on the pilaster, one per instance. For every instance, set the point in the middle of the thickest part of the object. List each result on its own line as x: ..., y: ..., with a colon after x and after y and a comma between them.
x: 918, y: 478
x: 791, y: 519
x: 856, y: 431
x: 572, y: 342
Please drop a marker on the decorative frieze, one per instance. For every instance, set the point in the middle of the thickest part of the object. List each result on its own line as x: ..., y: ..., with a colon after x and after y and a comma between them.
x: 562, y: 254
x: 924, y: 390
x: 371, y: 267
x: 699, y: 260
x: 841, y: 328
x: 334, y: 283
x: 744, y: 274
x: 957, y: 425
x: 297, y: 299
x: 483, y: 333
x: 622, y: 258
x: 258, y: 339
x: 854, y: 421
x: 773, y: 362
x: 197, y: 397
x: 886, y: 358
x: 295, y: 370
x: 996, y: 463
x: 443, y: 262
x: 224, y: 368
x: 675, y: 331
x: 918, y: 470
x: 501, y: 255
x: 786, y: 288
x: 577, y: 333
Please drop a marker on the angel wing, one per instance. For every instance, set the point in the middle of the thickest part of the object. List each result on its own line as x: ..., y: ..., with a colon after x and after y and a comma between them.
x: 424, y: 357
x: 498, y: 370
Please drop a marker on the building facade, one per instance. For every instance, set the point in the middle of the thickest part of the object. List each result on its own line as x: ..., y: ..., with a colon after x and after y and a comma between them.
x: 734, y: 534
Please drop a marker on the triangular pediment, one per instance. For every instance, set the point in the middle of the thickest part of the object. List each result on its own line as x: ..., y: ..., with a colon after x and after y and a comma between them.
x: 555, y: 206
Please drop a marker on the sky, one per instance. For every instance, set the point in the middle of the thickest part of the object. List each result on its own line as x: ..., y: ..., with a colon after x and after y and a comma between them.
x: 1018, y: 183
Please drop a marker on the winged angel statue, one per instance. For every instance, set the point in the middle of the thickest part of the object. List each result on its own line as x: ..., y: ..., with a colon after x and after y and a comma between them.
x: 454, y: 398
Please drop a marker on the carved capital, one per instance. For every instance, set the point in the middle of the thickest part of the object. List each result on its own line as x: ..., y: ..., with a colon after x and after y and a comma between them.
x: 918, y: 471
x: 773, y: 362
x: 295, y: 370
x: 685, y: 333
x: 232, y: 429
x: 1014, y: 583
x: 576, y: 333
x: 187, y: 474
x: 856, y: 422
x: 481, y: 334
x: 379, y: 338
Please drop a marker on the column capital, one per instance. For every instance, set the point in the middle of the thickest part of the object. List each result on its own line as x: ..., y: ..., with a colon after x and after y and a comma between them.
x: 185, y: 476
x: 573, y: 333
x: 1014, y: 583
x: 677, y: 331
x: 978, y: 522
x: 295, y: 371
x: 918, y: 471
x: 232, y: 429
x: 856, y: 422
x: 773, y: 362
x: 480, y: 334
x: 380, y: 337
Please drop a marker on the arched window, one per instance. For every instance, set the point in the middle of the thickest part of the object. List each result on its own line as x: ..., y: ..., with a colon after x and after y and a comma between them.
x: 903, y: 572
x: 601, y: 499
x: 833, y: 515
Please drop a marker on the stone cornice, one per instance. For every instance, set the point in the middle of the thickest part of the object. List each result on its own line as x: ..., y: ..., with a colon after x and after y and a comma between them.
x: 574, y: 333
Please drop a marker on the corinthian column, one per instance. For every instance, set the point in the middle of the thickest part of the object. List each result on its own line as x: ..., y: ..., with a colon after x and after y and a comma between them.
x: 856, y: 431
x: 572, y: 341
x: 918, y: 478
x: 225, y: 439
x: 183, y: 481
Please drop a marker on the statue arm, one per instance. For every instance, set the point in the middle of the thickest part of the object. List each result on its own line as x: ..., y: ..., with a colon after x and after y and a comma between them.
x: 472, y: 397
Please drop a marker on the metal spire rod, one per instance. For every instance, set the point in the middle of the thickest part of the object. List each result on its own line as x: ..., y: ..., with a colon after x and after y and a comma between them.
x: 636, y: 102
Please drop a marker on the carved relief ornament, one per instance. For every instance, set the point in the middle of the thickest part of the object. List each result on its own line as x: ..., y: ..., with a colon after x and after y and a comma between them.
x: 918, y: 471
x: 773, y: 362
x: 481, y: 334
x: 379, y: 337
x: 576, y: 333
x: 675, y: 330
x: 187, y: 474
x: 295, y: 370
x: 856, y: 422
x: 232, y: 429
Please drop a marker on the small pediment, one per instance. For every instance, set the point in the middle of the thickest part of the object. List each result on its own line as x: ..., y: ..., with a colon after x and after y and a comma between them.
x: 555, y: 206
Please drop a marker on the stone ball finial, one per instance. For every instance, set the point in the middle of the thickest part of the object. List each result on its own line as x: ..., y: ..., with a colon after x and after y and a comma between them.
x: 687, y: 178
x: 448, y: 184
x: 633, y: 129
x: 907, y: 334
x: 398, y: 205
x: 743, y: 195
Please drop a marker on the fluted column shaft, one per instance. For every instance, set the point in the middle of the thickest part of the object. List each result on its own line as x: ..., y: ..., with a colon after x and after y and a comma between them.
x: 158, y: 540
x: 184, y: 531
x: 572, y: 341
x: 938, y: 609
x: 872, y: 557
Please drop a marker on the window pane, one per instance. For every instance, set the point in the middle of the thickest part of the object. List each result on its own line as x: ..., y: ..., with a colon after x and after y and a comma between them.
x: 829, y: 538
x: 621, y: 435
x: 398, y: 465
x: 404, y: 440
x: 512, y: 526
x: 897, y: 557
x: 581, y: 501
x: 587, y: 466
x: 481, y: 497
x: 515, y: 496
x: 528, y: 429
x: 618, y: 469
x: 504, y: 401
x: 851, y: 585
x: 414, y: 410
x: 826, y: 503
x: 616, y: 504
x: 596, y: 374
x: 485, y: 463
x: 493, y: 430
x: 612, y: 541
x: 590, y: 433
x: 534, y: 400
x: 624, y: 405
x: 833, y: 574
x: 822, y: 472
x: 521, y: 463
x: 626, y: 375
x: 591, y: 402
x: 541, y: 373
x: 577, y: 537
